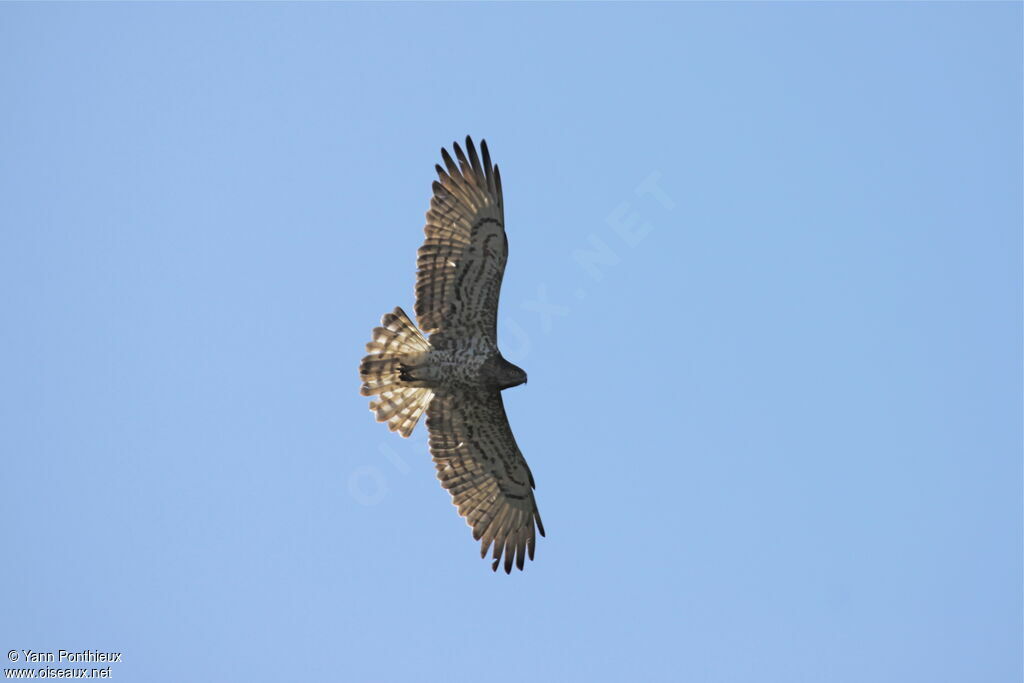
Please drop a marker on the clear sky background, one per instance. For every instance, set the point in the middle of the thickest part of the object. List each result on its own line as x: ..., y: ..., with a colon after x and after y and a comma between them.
x: 774, y: 409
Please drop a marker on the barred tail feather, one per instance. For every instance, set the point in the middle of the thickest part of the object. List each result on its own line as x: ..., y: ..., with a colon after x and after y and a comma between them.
x: 402, y: 408
x: 396, y: 345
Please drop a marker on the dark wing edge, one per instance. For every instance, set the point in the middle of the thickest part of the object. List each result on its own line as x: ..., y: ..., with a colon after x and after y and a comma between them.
x: 462, y: 259
x: 480, y: 465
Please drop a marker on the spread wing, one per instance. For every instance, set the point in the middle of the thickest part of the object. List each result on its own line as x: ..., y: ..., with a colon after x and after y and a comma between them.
x: 462, y: 260
x: 480, y: 465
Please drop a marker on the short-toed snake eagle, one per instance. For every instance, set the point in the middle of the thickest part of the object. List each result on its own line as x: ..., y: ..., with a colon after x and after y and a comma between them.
x: 457, y: 375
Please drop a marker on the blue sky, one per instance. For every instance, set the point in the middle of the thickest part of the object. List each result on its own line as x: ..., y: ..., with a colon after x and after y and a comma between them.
x: 765, y: 277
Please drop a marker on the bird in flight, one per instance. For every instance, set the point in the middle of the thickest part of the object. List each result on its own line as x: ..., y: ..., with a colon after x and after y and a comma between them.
x: 457, y: 375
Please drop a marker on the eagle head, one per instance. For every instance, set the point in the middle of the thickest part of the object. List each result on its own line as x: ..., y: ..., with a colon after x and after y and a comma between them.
x: 509, y: 375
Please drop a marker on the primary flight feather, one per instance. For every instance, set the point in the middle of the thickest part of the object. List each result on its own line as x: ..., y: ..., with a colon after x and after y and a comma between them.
x: 457, y: 376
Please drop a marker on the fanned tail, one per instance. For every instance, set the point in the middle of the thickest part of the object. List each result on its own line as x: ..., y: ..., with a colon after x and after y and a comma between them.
x: 396, y: 346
